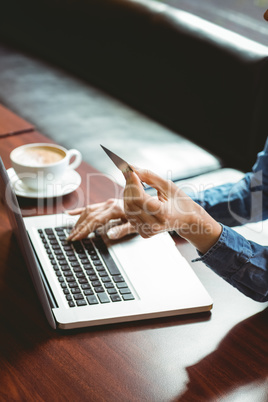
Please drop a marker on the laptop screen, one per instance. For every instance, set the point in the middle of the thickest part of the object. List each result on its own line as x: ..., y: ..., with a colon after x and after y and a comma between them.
x: 9, y: 200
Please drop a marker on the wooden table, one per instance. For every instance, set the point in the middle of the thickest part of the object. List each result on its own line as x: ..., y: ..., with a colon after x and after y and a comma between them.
x: 220, y: 356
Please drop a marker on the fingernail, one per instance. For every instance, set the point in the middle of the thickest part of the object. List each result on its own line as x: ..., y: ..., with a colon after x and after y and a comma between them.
x: 112, y: 233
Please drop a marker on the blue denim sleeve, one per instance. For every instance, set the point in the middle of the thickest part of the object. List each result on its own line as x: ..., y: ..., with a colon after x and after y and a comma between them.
x: 242, y: 263
x: 246, y: 201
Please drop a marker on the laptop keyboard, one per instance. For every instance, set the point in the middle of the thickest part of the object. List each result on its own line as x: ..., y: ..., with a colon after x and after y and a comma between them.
x: 85, y: 269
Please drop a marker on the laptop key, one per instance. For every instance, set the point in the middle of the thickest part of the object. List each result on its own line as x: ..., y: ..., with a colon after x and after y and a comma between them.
x: 72, y: 285
x: 79, y: 296
x: 82, y: 280
x: 124, y: 291
x: 62, y: 262
x: 67, y: 248
x: 99, y: 289
x: 112, y: 291
x: 121, y: 285
x: 92, y: 277
x: 106, y: 279
x: 49, y: 231
x: 128, y: 297
x: 60, y: 257
x: 96, y: 283
x: 77, y: 269
x: 109, y: 285
x: 115, y: 298
x: 51, y: 237
x: 103, y: 298
x: 60, y: 228
x: 100, y: 267
x: 103, y: 274
x: 118, y: 278
x: 94, y: 258
x: 90, y: 271
x: 64, y: 244
x: 72, y: 258
x: 75, y: 290
x: 80, y: 274
x: 84, y: 261
x: 81, y: 302
x: 85, y: 286
x: 92, y: 299
x: 56, y: 247
x: 69, y: 253
x: 75, y: 264
x: 70, y: 279
x: 88, y: 266
x: 67, y: 273
x: 53, y: 242
x: 57, y: 250
x: 65, y: 267
x: 71, y: 303
x: 97, y: 263
x: 88, y: 292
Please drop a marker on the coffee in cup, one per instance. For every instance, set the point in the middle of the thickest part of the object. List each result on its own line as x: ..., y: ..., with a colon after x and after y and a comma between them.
x: 40, y: 155
x: 41, y: 164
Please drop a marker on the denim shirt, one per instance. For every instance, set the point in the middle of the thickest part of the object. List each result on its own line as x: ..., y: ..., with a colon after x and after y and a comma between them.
x: 242, y: 263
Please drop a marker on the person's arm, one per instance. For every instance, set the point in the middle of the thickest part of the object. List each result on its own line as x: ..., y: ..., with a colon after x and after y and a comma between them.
x: 235, y: 204
x: 242, y: 263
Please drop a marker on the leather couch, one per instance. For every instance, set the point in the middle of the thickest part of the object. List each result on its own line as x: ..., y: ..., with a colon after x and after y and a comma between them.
x: 161, y: 87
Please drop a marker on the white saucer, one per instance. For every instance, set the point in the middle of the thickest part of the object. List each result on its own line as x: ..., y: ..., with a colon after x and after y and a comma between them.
x: 70, y: 181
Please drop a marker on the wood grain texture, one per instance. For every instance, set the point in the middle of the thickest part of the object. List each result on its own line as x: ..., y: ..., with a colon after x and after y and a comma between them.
x: 11, y: 124
x: 199, y: 357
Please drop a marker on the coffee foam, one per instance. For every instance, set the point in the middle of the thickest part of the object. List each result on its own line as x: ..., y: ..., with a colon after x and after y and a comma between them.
x: 40, y: 156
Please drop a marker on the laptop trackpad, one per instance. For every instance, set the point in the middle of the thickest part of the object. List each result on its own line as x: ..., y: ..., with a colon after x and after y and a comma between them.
x: 155, y: 267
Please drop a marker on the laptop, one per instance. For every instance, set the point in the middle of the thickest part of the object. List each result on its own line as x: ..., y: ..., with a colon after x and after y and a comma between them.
x: 96, y: 281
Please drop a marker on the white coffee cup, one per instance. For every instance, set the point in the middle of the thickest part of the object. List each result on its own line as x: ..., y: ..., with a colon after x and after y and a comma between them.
x: 40, y: 164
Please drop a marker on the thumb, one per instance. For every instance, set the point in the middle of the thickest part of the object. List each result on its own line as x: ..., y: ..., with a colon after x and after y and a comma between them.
x: 117, y: 232
x: 163, y: 186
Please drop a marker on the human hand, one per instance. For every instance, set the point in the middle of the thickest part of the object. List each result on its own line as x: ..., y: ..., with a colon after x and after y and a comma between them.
x: 173, y: 210
x: 107, y: 216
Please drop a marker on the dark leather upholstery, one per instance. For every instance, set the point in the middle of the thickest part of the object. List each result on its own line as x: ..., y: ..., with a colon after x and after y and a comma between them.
x: 204, y: 82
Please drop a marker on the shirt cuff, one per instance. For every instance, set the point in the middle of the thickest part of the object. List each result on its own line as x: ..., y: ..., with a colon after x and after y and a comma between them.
x: 228, y: 254
x: 221, y: 241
